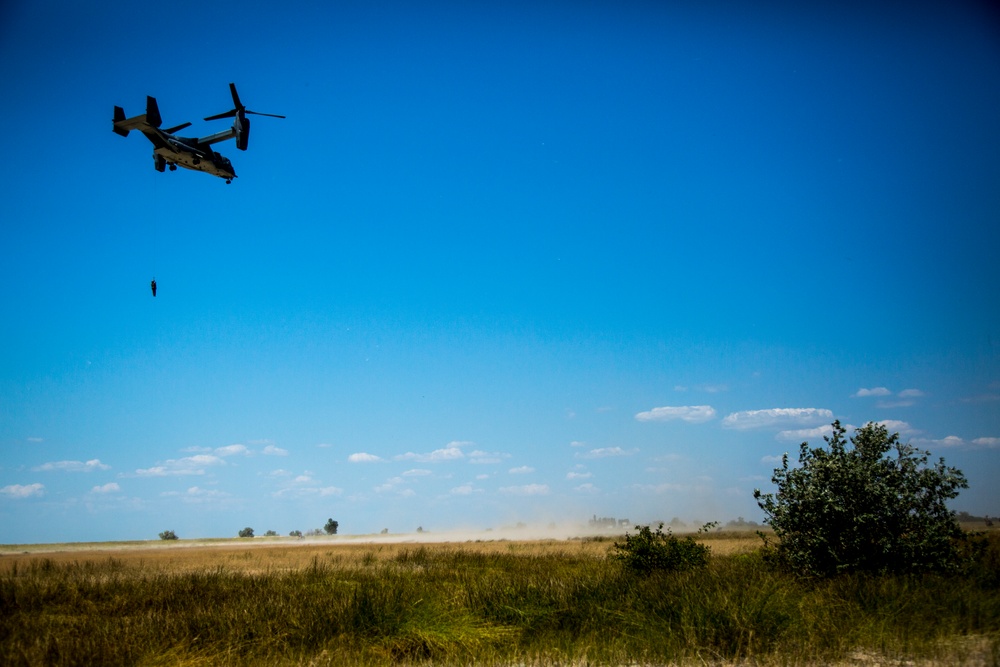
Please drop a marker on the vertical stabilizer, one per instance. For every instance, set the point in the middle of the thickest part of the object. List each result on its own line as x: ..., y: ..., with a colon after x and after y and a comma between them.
x: 153, y: 112
x: 119, y: 117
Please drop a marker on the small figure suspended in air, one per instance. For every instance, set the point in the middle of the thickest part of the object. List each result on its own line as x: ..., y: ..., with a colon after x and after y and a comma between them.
x: 152, y: 286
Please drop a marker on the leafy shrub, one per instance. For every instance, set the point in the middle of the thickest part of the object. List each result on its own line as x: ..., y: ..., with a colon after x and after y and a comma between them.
x: 246, y: 532
x: 168, y: 535
x: 648, y: 551
x: 857, y: 509
x: 295, y: 533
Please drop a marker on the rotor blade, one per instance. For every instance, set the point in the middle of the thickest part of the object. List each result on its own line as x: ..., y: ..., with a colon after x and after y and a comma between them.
x: 257, y: 113
x: 236, y: 98
x: 228, y: 114
x: 177, y: 128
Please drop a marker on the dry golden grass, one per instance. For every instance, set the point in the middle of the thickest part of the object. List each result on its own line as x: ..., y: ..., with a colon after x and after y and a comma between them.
x: 265, y: 555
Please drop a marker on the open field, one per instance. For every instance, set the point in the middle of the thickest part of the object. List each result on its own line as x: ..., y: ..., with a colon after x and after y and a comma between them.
x: 343, y: 601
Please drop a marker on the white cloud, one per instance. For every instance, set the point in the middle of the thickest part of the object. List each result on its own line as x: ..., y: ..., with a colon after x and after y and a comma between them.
x: 910, y: 393
x: 35, y: 439
x: 987, y: 442
x: 363, y: 457
x: 605, y: 452
x: 464, y: 490
x: 773, y: 458
x: 803, y: 434
x: 305, y: 491
x: 197, y: 495
x: 577, y: 443
x: 73, y: 466
x: 450, y: 453
x: 521, y: 470
x: 110, y: 487
x: 526, y: 490
x: 694, y: 414
x: 875, y: 391
x: 486, y: 458
x: 189, y: 465
x: 417, y: 472
x: 272, y: 450
x: 775, y: 416
x: 578, y: 475
x: 23, y: 490
x: 232, y: 450
x: 949, y: 441
x: 896, y: 426
x: 587, y: 488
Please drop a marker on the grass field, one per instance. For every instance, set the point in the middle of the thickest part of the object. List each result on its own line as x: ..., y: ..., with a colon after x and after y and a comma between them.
x: 347, y: 602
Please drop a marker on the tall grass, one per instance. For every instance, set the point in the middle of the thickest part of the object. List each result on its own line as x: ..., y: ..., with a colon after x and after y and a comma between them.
x: 462, y: 606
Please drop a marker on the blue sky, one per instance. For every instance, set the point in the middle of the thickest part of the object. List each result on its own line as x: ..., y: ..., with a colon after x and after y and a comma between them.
x: 529, y: 262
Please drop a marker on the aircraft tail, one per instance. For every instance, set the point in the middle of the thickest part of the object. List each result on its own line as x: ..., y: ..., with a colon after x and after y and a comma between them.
x: 153, y: 112
x: 119, y: 121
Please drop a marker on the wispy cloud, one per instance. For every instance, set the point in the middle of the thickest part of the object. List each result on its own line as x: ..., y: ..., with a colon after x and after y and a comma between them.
x: 897, y: 426
x: 464, y: 490
x: 189, y: 465
x: 23, y: 490
x: 579, y: 475
x: 487, y: 458
x: 110, y: 487
x: 949, y: 441
x: 363, y: 457
x: 232, y: 450
x: 196, y: 495
x: 606, y: 452
x: 525, y: 490
x: 521, y: 470
x: 775, y: 417
x: 272, y: 450
x: 438, y: 455
x: 910, y: 393
x: 987, y: 442
x: 417, y: 472
x: 587, y: 488
x: 804, y: 434
x: 690, y: 413
x: 874, y: 391
x: 73, y: 466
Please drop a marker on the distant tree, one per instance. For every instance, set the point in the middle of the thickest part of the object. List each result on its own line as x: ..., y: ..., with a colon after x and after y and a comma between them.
x: 385, y: 531
x: 270, y: 533
x: 168, y: 535
x: 246, y: 532
x: 876, y: 507
x: 295, y: 533
x: 420, y: 529
x: 648, y: 551
x: 331, y: 527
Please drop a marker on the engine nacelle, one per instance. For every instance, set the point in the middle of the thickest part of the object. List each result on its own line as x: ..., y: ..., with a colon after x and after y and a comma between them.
x: 242, y: 133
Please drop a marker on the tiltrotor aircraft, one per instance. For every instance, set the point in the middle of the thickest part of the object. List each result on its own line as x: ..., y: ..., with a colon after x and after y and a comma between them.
x: 170, y: 150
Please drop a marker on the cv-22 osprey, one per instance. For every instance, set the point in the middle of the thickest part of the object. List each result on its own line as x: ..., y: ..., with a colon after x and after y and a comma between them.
x: 170, y: 150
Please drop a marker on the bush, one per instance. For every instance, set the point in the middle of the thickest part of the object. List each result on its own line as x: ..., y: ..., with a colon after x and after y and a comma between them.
x: 856, y: 509
x: 295, y: 533
x: 331, y: 527
x: 246, y: 532
x: 648, y: 551
x: 168, y: 535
